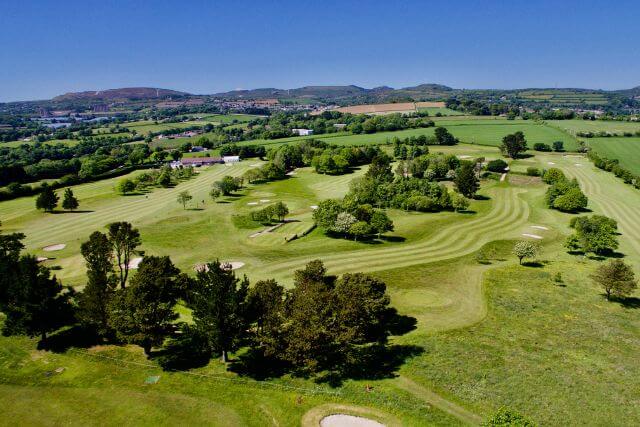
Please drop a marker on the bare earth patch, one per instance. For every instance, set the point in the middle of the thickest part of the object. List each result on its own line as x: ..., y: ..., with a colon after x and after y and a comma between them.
x: 342, y: 420
x: 57, y: 247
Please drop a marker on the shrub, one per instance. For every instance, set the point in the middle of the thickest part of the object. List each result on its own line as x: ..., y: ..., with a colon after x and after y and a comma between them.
x: 498, y: 165
x: 572, y: 201
x: 531, y: 171
x: 540, y: 146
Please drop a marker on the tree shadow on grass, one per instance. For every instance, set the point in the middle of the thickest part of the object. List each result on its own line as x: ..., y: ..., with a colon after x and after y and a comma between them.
x: 481, y: 197
x: 75, y: 336
x: 256, y: 365
x: 534, y: 264
x: 185, y: 351
x: 393, y: 239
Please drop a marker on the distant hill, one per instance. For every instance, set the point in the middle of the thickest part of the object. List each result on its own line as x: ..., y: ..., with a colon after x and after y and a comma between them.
x: 128, y: 93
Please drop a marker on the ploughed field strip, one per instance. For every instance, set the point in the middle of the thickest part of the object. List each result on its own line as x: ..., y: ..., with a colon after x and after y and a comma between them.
x: 507, y: 216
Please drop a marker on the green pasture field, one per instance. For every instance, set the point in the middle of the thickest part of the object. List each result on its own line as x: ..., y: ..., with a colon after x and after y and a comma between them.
x: 442, y: 110
x: 488, y: 334
x: 579, y: 125
x: 626, y: 150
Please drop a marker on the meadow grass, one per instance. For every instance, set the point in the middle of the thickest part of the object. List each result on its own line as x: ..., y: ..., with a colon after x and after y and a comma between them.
x: 626, y: 150
x: 578, y: 125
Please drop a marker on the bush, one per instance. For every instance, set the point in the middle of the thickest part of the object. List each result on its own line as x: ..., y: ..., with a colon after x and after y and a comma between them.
x: 498, y: 165
x: 572, y: 201
x: 539, y: 146
x: 531, y: 171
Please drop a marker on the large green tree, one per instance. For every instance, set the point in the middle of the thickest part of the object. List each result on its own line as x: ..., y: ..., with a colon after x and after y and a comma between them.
x: 616, y: 278
x: 514, y: 144
x: 217, y: 299
x: 265, y: 309
x: 93, y: 302
x: 69, y: 202
x: 124, y: 240
x: 596, y: 233
x: 47, y: 200
x: 466, y: 180
x: 144, y: 313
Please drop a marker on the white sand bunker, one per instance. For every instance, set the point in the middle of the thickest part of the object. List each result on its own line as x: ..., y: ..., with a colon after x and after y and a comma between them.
x: 550, y: 163
x: 578, y: 164
x: 464, y: 156
x: 342, y: 420
x: 265, y: 200
x: 539, y: 227
x: 135, y: 262
x: 533, y: 236
x: 41, y: 258
x: 231, y: 265
x: 291, y: 173
x: 252, y: 203
x: 58, y: 247
x: 314, y: 207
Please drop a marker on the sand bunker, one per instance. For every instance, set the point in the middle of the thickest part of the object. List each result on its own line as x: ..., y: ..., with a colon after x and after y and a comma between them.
x: 533, y: 236
x: 342, y: 420
x: 41, y: 258
x: 252, y: 203
x: 578, y: 164
x: 314, y: 207
x: 233, y: 264
x: 134, y: 263
x: 464, y: 157
x: 550, y: 163
x: 264, y: 200
x: 291, y: 173
x: 58, y: 247
x: 539, y: 227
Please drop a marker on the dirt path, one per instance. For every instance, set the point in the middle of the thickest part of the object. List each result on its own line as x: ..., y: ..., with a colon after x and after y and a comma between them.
x: 438, y: 401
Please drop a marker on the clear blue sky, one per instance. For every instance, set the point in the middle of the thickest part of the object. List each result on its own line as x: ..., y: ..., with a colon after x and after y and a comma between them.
x: 53, y: 47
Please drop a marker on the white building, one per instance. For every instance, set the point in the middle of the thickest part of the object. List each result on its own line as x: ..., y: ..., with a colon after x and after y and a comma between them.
x: 231, y: 159
x: 302, y: 132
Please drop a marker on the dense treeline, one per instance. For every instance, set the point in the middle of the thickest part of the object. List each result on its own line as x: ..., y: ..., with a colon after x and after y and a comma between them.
x: 324, y: 324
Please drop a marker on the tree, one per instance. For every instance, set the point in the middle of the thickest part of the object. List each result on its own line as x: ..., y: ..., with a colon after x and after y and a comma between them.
x: 164, y: 179
x: 124, y: 239
x: 265, y: 305
x: 553, y: 175
x: 217, y: 298
x: 343, y: 223
x: 444, y: 137
x: 40, y: 304
x: 280, y: 210
x: 144, y: 313
x: 70, y: 202
x: 93, y: 302
x: 459, y: 203
x: 327, y: 212
x: 125, y: 186
x: 616, y: 278
x: 526, y: 249
x: 558, y: 146
x: 380, y: 168
x: 466, y: 181
x: 47, y: 200
x: 497, y: 165
x: 183, y: 198
x: 359, y: 229
x: 380, y: 222
x: 596, y: 233
x: 513, y: 145
x: 215, y: 193
x: 10, y: 247
x: 573, y: 200
x: 227, y: 185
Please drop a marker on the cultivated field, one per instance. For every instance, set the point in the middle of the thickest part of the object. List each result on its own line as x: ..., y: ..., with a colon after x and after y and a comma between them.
x: 400, y: 107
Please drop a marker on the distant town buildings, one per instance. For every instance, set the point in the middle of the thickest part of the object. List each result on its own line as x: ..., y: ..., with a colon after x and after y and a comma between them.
x: 302, y: 132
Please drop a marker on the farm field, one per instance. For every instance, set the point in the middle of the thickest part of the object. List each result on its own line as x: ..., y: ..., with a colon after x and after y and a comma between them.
x: 626, y: 150
x: 579, y: 125
x: 477, y: 324
x: 14, y: 144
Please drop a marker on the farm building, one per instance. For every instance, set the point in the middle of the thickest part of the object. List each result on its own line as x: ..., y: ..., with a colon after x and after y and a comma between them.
x: 196, y: 161
x: 231, y: 159
x: 302, y: 132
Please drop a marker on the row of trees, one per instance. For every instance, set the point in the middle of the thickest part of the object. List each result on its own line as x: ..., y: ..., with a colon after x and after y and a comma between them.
x: 346, y: 218
x: 613, y: 166
x: 47, y: 200
x: 163, y: 177
x: 321, y: 324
